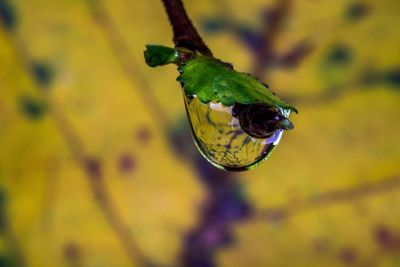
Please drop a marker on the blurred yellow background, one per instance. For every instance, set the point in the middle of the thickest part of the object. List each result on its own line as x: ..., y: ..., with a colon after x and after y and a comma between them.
x: 96, y: 168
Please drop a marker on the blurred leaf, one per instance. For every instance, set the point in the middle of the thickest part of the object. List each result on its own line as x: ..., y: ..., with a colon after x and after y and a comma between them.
x: 337, y: 145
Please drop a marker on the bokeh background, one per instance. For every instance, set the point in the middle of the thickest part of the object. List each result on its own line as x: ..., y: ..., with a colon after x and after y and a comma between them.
x: 97, y: 166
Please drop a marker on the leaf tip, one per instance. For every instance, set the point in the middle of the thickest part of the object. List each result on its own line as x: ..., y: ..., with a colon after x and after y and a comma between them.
x: 158, y: 55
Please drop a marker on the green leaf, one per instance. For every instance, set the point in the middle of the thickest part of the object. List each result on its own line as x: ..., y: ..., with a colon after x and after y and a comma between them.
x: 212, y: 80
x: 158, y: 55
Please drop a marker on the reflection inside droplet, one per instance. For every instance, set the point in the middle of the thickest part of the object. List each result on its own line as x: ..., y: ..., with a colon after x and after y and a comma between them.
x: 220, y: 138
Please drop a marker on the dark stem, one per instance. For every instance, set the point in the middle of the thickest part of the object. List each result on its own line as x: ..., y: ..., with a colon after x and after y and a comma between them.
x: 185, y: 34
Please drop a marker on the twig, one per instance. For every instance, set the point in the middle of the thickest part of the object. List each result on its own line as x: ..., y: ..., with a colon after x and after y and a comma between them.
x: 185, y: 34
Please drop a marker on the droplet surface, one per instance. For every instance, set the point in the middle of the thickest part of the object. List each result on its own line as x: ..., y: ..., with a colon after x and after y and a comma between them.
x: 218, y: 135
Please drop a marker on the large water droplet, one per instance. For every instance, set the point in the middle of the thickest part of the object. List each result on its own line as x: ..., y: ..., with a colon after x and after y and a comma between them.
x: 224, y: 142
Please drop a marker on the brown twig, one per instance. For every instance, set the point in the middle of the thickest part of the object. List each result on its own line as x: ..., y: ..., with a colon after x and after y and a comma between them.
x: 185, y: 34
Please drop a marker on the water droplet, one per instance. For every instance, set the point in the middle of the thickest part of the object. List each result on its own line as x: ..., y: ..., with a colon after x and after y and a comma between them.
x: 235, y: 142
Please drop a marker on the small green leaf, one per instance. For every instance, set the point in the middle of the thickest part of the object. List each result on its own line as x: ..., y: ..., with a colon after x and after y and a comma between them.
x: 212, y: 80
x: 158, y: 55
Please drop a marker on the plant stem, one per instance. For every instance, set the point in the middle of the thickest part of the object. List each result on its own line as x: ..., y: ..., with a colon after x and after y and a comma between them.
x: 185, y: 34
